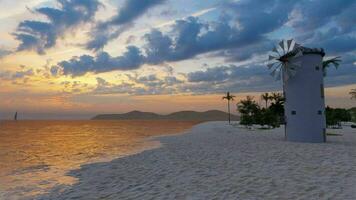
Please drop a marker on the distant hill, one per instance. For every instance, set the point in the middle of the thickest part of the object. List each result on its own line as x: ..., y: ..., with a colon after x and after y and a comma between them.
x: 211, y: 115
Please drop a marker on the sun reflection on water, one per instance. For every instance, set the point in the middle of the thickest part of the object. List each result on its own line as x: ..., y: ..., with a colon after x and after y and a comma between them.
x: 35, y: 155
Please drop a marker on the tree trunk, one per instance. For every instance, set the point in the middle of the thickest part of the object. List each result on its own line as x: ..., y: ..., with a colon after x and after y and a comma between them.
x: 228, y: 108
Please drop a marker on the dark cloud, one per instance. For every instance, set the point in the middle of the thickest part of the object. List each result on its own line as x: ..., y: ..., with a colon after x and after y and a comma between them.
x: 172, y: 80
x: 344, y: 74
x: 247, y: 78
x: 143, y: 85
x: 41, y: 35
x: 210, y: 75
x: 339, y: 44
x: 317, y: 13
x: 24, y: 74
x: 130, y: 10
x: 327, y: 24
x: 158, y: 47
x: 191, y: 37
x: 241, y: 33
x: 246, y: 52
x: 111, y: 29
x: 232, y: 78
x: 256, y: 78
x: 102, y: 62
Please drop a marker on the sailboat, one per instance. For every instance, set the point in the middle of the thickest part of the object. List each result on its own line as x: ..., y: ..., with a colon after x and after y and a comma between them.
x: 15, y: 117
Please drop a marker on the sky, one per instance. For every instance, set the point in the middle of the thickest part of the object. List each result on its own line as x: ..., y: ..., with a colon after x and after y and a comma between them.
x: 72, y: 59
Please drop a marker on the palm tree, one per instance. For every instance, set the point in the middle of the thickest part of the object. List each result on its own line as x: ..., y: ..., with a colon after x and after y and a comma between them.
x: 266, y: 97
x: 229, y: 98
x: 277, y: 97
x: 332, y: 61
x: 277, y: 105
x: 353, y: 94
x: 248, y: 109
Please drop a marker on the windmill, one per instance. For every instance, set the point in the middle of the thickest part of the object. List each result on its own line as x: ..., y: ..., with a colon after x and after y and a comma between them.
x: 279, y: 61
x: 301, y: 70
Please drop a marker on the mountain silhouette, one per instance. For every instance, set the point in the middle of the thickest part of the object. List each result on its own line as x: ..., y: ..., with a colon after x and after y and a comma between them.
x: 211, y: 115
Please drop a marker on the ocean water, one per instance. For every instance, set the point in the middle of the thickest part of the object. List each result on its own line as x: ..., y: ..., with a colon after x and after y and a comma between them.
x: 36, y: 155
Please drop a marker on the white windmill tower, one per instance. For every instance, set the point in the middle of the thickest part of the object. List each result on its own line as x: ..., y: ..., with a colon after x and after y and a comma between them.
x: 302, y: 74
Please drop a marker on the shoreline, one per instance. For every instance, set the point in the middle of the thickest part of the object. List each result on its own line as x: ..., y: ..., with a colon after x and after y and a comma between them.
x: 109, y: 140
x: 214, y: 160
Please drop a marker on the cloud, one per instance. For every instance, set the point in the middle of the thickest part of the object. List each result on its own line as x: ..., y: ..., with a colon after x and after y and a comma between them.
x: 256, y: 78
x: 329, y: 25
x: 4, y: 52
x: 112, y: 28
x: 339, y: 44
x: 247, y: 52
x: 156, y: 80
x: 344, y: 74
x: 211, y: 74
x: 191, y: 36
x: 102, y: 62
x: 241, y: 33
x: 231, y: 78
x: 246, y: 78
x: 73, y: 86
x: 22, y: 75
x: 41, y: 35
x: 317, y: 13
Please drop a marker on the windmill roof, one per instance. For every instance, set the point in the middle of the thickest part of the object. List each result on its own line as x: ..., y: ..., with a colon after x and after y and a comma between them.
x: 305, y: 50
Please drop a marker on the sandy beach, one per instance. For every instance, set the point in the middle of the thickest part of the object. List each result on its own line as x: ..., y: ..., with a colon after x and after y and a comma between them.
x: 215, y: 160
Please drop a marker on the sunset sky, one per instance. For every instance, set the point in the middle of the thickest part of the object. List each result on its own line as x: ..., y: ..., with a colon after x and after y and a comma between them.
x: 64, y: 59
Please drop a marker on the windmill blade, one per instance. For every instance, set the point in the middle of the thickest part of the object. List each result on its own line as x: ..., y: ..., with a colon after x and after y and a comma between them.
x: 297, y: 45
x: 292, y: 47
x: 273, y: 73
x: 278, y: 67
x: 299, y: 53
x: 279, y: 73
x: 271, y: 65
x: 285, y: 46
x: 272, y: 57
x: 276, y: 51
x: 289, y: 43
x: 281, y: 45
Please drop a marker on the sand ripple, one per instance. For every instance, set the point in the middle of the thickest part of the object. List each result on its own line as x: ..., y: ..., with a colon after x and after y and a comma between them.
x: 217, y: 161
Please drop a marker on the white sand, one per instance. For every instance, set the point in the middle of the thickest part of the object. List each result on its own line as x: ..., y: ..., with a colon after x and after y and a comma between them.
x: 218, y: 161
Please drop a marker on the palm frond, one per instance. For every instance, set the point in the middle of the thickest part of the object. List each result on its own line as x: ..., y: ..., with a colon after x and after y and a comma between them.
x: 332, y: 61
x: 228, y: 97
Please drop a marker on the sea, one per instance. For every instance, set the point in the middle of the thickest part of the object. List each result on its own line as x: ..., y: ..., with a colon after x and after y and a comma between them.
x: 36, y: 156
